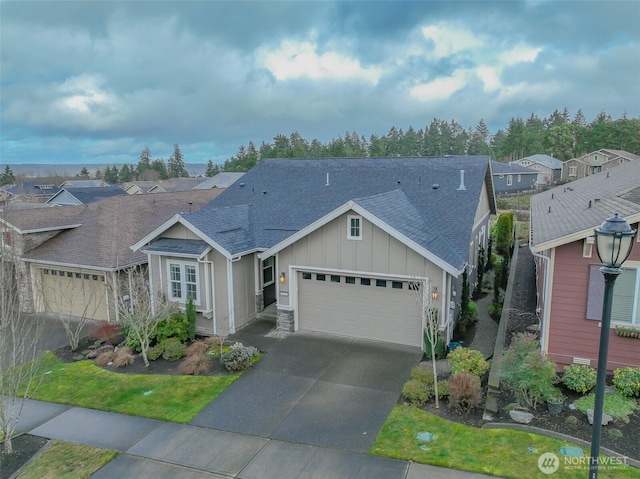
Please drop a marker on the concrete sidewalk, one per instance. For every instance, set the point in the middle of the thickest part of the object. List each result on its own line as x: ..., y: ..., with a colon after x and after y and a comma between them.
x: 155, y: 449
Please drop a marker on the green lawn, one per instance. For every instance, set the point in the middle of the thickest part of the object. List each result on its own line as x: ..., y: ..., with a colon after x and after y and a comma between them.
x: 498, y: 452
x: 169, y: 398
x: 65, y: 460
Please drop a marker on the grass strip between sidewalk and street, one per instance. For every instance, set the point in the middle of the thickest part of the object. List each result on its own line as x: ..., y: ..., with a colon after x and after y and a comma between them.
x: 66, y: 460
x: 169, y: 398
x: 498, y: 452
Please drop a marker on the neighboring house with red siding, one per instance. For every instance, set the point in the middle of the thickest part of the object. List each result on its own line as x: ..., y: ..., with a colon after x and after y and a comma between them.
x: 570, y: 287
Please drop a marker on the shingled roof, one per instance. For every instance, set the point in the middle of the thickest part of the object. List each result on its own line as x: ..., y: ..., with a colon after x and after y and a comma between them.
x: 418, y: 197
x: 86, y: 195
x: 109, y: 227
x: 570, y: 212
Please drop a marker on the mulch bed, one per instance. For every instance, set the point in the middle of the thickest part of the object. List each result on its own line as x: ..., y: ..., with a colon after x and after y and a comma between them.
x: 25, y: 447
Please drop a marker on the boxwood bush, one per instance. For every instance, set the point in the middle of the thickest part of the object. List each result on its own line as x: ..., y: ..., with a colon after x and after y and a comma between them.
x: 579, y: 378
x: 627, y: 381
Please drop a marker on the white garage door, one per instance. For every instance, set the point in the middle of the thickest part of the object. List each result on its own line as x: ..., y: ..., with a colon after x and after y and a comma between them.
x: 361, y: 307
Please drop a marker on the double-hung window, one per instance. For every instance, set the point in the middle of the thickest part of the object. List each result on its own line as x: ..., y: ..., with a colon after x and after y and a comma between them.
x: 183, y: 281
x: 626, y: 296
x: 354, y: 227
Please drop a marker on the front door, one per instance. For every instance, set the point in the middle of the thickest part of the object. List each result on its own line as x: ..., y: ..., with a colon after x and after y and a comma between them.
x: 268, y: 281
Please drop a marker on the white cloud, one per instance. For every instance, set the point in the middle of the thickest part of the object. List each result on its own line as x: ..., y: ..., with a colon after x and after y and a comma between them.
x: 295, y: 60
x: 449, y: 40
x: 441, y: 88
x: 519, y: 54
x: 490, y: 77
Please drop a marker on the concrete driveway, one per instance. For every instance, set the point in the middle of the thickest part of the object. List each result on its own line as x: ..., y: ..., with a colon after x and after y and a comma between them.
x: 314, y: 389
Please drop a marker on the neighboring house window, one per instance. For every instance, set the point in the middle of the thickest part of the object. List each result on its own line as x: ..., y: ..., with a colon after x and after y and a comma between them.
x: 626, y: 296
x: 183, y: 282
x: 573, y: 170
x: 6, y: 238
x: 519, y: 178
x: 354, y: 227
x: 596, y: 169
x: 509, y: 180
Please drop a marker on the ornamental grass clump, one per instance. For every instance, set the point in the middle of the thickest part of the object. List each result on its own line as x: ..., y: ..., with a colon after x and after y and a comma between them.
x: 465, y: 392
x: 105, y: 357
x: 465, y: 359
x: 579, y: 378
x: 196, y: 348
x: 123, y: 357
x: 195, y: 365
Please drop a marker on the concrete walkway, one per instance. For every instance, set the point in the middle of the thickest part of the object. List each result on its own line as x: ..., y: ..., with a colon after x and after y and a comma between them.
x: 155, y: 450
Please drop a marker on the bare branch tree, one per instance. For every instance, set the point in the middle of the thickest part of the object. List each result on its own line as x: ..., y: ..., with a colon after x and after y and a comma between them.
x: 74, y: 300
x: 427, y: 304
x: 19, y: 347
x: 141, y: 310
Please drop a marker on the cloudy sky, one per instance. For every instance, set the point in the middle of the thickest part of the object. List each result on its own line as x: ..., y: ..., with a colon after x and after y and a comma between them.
x: 97, y: 81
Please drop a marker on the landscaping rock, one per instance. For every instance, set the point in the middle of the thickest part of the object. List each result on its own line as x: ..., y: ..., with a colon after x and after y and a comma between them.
x: 522, y: 417
x: 606, y: 419
x: 78, y: 357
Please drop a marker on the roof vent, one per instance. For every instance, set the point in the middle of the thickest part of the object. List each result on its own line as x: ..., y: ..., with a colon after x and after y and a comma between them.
x: 435, y: 186
x: 327, y: 183
x: 264, y: 192
x: 461, y: 187
x: 241, y: 185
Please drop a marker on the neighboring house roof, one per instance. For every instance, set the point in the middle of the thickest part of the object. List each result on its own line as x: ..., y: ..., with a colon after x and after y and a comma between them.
x: 107, y: 228
x: 610, y: 154
x: 221, y: 180
x: 165, y: 186
x: 570, y: 212
x: 85, y: 195
x: 418, y: 198
x: 44, y: 218
x: 511, y: 168
x: 546, y: 160
x: 34, y: 188
x: 83, y: 184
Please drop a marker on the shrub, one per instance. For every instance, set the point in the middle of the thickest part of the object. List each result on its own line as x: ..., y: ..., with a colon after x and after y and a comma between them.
x: 530, y: 374
x: 503, y: 232
x: 175, y: 326
x: 105, y: 358
x: 579, y: 378
x: 416, y: 392
x: 465, y: 359
x: 154, y: 353
x: 109, y: 333
x: 196, y: 364
x: 97, y: 352
x: 616, y: 405
x: 238, y: 357
x: 465, y: 393
x: 495, y: 311
x: 191, y: 319
x: 627, y: 381
x: 196, y: 348
x: 172, y: 349
x: 423, y: 375
x: 443, y: 389
x: 123, y: 357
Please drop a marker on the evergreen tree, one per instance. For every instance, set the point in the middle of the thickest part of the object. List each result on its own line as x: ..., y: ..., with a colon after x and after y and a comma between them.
x: 159, y: 166
x: 98, y: 174
x: 176, y: 168
x: 126, y: 173
x: 111, y: 175
x: 84, y: 173
x: 7, y: 177
x: 212, y: 170
x: 144, y: 161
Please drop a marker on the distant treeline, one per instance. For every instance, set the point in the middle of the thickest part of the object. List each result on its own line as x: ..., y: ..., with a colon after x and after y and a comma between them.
x: 558, y: 135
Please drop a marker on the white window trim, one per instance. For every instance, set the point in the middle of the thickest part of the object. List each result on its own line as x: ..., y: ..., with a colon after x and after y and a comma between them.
x: 183, y: 281
x: 587, y: 247
x: 509, y: 180
x: 349, y: 235
x: 573, y: 171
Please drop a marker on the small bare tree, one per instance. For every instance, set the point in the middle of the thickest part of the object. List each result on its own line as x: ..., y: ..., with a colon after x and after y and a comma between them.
x: 427, y: 304
x: 20, y: 337
x: 75, y: 302
x: 141, y: 310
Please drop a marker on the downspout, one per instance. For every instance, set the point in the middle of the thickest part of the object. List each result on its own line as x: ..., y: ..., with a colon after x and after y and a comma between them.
x: 545, y: 298
x: 231, y: 303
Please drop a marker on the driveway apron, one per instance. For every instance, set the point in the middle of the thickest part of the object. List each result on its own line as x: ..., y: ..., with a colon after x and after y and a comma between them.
x: 315, y: 389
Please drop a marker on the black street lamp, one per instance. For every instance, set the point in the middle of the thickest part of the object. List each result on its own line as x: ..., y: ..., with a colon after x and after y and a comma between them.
x: 614, y: 240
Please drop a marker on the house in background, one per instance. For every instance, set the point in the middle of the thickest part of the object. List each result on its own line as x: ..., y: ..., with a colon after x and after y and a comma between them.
x: 31, y: 192
x: 84, y: 195
x: 83, y: 184
x: 221, y: 180
x: 513, y: 178
x: 70, y: 259
x: 353, y: 247
x: 595, y: 162
x: 161, y: 186
x: 549, y: 168
x: 570, y: 286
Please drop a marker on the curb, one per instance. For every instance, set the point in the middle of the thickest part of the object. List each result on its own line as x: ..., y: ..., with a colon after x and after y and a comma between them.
x: 558, y: 435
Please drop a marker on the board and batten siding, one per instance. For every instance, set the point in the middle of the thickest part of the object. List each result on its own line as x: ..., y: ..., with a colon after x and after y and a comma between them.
x: 377, y: 252
x: 571, y: 334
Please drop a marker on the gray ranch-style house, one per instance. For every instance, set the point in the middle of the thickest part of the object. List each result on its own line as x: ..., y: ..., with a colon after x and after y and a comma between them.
x: 352, y: 247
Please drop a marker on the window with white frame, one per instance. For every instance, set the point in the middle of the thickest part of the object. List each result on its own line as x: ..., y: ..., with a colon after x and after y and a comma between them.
x: 183, y: 281
x: 509, y: 180
x: 573, y: 170
x: 354, y: 227
x: 268, y: 266
x: 6, y: 238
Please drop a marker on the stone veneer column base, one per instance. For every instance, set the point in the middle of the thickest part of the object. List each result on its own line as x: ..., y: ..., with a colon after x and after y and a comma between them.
x: 259, y: 302
x: 284, y: 320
